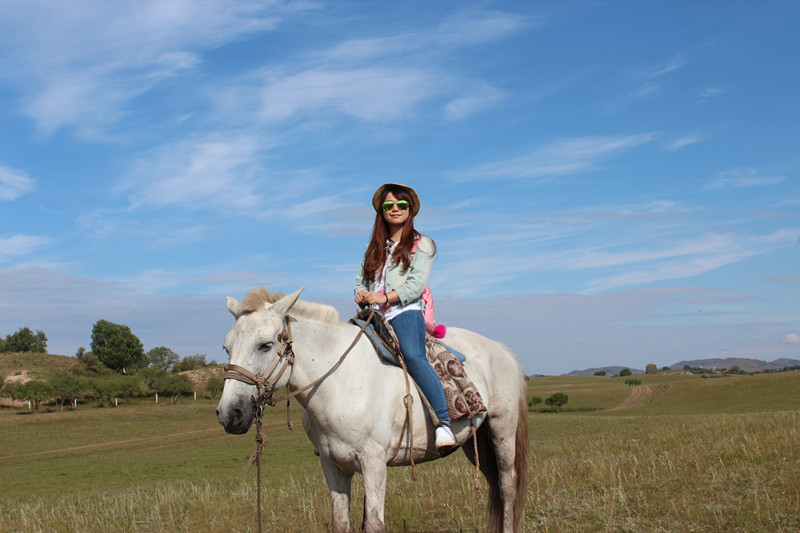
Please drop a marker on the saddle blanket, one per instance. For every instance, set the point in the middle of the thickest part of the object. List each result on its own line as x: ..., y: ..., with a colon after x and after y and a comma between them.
x: 460, y: 393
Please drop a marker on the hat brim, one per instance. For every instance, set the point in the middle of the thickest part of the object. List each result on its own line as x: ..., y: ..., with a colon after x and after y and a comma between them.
x: 377, y: 198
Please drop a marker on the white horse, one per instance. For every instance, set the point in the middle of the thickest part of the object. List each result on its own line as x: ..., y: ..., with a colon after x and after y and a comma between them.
x: 355, y: 416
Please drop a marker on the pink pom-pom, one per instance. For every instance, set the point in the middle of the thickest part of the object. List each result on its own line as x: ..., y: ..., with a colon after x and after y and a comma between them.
x: 439, y: 331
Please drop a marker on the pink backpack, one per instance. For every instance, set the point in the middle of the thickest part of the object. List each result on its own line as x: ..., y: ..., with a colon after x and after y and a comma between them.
x: 427, y: 306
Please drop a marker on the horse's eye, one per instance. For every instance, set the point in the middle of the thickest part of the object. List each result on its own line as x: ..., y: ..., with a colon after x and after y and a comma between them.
x: 265, y: 346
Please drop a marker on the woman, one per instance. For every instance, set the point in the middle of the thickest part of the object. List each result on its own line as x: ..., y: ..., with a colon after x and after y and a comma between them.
x: 392, y: 281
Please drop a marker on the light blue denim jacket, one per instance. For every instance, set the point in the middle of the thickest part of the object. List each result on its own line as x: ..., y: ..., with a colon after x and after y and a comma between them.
x: 409, y: 283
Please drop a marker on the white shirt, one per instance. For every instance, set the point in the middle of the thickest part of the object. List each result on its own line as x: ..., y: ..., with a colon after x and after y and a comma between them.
x: 392, y: 310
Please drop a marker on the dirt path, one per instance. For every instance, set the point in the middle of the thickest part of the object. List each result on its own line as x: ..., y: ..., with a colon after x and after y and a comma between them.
x: 639, y: 396
x: 157, y: 441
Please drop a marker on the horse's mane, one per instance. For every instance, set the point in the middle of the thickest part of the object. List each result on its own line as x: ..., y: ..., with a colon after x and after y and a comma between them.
x: 256, y: 298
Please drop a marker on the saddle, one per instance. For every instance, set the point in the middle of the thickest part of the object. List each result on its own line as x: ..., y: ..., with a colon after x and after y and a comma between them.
x: 460, y: 393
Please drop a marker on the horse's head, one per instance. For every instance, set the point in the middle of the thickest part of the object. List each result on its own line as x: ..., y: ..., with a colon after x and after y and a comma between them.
x: 252, y: 343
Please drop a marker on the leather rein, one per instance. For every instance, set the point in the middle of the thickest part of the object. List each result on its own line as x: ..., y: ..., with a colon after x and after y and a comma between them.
x: 265, y: 382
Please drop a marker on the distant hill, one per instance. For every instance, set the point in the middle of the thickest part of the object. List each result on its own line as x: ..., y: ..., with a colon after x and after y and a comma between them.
x: 748, y: 365
x: 609, y: 370
x: 744, y: 363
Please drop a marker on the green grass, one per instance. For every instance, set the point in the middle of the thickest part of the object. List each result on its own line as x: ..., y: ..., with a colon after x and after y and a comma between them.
x: 699, y: 455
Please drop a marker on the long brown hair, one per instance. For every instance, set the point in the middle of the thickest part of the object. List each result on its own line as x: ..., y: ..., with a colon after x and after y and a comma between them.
x: 376, y: 249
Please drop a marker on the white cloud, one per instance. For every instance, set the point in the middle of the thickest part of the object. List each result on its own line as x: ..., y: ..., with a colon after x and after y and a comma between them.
x: 13, y: 184
x: 742, y: 178
x: 465, y: 28
x: 134, y: 45
x: 563, y: 157
x: 710, y: 92
x: 666, y: 67
x: 682, y: 142
x: 792, y: 338
x: 213, y: 171
x: 17, y: 245
x: 369, y: 94
x: 479, y: 99
x: 688, y: 259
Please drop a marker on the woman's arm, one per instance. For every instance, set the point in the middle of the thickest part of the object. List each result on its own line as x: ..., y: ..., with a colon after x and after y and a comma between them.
x: 418, y: 272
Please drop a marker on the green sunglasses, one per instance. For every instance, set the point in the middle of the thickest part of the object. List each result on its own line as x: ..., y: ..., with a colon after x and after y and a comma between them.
x: 402, y: 205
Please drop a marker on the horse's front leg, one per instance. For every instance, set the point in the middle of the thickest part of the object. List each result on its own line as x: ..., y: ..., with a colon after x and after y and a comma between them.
x: 339, y: 485
x: 374, y: 473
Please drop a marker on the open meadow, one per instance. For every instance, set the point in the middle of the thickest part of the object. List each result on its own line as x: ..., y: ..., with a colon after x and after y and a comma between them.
x: 677, y: 453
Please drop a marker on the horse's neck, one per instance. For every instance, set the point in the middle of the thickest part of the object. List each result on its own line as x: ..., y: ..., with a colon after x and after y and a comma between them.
x: 318, y: 347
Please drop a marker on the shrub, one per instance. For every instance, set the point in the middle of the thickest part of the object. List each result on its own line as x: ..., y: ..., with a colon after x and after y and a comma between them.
x: 533, y: 401
x: 557, y: 400
x: 215, y: 384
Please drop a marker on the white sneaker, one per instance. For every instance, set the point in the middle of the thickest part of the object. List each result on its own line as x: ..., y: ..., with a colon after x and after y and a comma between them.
x: 445, y: 440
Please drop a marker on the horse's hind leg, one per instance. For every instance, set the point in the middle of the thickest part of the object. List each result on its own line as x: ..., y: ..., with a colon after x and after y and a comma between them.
x: 509, y: 434
x: 339, y: 485
x: 501, y: 463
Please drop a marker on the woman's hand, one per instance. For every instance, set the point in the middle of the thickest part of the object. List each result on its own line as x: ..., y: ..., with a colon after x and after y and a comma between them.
x: 369, y: 298
x: 362, y: 298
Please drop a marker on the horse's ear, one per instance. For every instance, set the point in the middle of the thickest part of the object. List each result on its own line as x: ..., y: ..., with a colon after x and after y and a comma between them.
x: 282, y: 306
x: 233, y: 306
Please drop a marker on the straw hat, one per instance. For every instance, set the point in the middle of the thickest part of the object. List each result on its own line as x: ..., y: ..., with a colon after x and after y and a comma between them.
x: 377, y: 198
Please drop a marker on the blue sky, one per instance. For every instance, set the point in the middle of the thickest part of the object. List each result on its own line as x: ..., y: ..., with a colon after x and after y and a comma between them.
x: 607, y: 182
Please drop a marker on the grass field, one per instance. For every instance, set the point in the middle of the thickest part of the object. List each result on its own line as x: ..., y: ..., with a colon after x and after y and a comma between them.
x: 692, y: 454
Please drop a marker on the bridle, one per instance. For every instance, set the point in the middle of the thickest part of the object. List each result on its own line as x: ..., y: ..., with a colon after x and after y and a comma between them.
x: 265, y: 384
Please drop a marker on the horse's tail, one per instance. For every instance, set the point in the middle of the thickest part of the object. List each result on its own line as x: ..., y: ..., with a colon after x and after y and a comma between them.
x: 490, y: 470
x: 521, y: 458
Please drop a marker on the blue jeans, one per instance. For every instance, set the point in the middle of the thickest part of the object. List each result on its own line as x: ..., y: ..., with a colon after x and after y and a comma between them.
x: 409, y: 327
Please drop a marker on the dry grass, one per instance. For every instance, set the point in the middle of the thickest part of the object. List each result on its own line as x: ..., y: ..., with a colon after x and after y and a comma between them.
x: 146, y: 468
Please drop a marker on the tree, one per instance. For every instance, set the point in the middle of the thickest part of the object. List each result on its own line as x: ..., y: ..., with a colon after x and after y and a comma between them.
x: 117, y: 347
x: 154, y: 378
x: 735, y: 369
x: 625, y: 372
x: 633, y: 382
x: 25, y: 340
x: 215, y: 384
x: 126, y: 387
x: 177, y: 385
x: 103, y: 389
x: 651, y: 368
x: 36, y: 392
x: 11, y: 389
x: 162, y: 357
x: 600, y: 373
x: 66, y: 388
x: 557, y: 400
